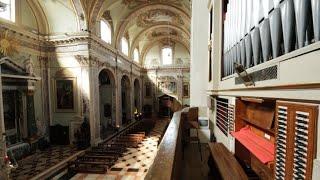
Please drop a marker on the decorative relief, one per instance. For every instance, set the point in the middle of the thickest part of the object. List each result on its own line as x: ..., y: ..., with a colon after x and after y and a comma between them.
x: 167, y: 42
x: 167, y: 85
x: 8, y: 44
x: 131, y: 4
x: 161, y: 32
x: 157, y: 16
x: 29, y: 66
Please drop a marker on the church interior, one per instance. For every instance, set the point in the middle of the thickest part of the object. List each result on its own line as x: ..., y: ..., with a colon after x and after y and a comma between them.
x: 159, y: 89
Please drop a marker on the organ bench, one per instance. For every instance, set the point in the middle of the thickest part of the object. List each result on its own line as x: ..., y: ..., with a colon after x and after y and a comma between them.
x: 225, y: 164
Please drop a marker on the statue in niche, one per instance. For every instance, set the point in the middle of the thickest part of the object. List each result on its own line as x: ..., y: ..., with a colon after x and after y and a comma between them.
x: 107, y: 110
x: 179, y: 61
x: 29, y: 66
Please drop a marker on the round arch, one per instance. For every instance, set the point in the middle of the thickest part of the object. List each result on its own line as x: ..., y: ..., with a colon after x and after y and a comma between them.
x: 136, y: 40
x: 107, y: 103
x: 137, y: 95
x: 125, y: 100
x: 157, y: 40
x: 143, y: 9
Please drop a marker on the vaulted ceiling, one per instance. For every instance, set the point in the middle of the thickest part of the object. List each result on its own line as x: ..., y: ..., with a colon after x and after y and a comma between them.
x: 143, y: 22
x: 147, y: 22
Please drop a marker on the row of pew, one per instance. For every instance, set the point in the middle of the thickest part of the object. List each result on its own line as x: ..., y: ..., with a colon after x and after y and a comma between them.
x: 101, y: 158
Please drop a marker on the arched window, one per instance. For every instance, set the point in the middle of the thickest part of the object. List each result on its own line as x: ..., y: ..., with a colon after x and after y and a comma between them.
x: 7, y: 10
x: 136, y: 55
x: 105, y: 30
x: 124, y: 46
x: 166, y: 56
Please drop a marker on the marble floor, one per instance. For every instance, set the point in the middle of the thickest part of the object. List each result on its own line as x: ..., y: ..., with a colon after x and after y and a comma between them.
x: 37, y: 163
x: 136, y: 161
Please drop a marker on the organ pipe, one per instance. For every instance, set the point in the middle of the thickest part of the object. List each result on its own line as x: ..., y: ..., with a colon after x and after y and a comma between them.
x: 301, y: 8
x: 315, y: 4
x: 248, y: 45
x: 288, y: 27
x: 256, y: 31
x: 265, y: 33
x: 276, y: 31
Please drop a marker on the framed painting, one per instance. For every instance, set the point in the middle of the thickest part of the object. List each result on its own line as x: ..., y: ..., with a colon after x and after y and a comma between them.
x: 64, y: 94
x: 148, y: 90
x: 185, y: 90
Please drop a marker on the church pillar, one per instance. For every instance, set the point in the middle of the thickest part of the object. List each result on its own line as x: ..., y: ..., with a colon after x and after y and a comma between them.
x: 88, y: 92
x: 94, y: 102
x: 2, y: 135
x: 180, y: 88
x: 45, y: 93
x: 117, y: 92
x: 132, y: 107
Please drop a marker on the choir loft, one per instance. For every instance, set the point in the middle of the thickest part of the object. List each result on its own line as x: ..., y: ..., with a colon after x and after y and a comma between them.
x: 159, y: 89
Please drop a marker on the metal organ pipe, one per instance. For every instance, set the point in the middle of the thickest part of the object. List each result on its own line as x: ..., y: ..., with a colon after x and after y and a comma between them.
x: 315, y: 4
x: 265, y: 31
x: 301, y: 8
x: 276, y: 29
x: 259, y: 30
x: 288, y: 26
x: 255, y: 33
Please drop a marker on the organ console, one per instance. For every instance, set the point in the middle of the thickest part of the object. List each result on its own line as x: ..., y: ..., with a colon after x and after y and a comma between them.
x: 276, y: 138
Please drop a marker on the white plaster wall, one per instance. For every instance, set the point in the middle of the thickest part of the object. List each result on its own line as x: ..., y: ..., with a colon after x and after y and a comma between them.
x: 179, y: 52
x: 199, y: 53
x: 61, y: 21
x: 27, y: 17
x: 154, y: 53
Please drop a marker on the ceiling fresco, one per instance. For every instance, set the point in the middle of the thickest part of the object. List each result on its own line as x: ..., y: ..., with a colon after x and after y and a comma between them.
x: 167, y: 32
x: 131, y: 4
x: 144, y: 22
x: 149, y: 22
x: 158, y: 16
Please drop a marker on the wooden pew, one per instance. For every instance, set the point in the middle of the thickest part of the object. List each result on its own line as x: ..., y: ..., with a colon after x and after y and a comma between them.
x: 225, y: 163
x: 100, y: 158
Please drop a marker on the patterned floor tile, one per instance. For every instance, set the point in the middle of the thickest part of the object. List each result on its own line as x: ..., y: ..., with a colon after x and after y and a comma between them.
x: 41, y: 161
x: 135, y: 163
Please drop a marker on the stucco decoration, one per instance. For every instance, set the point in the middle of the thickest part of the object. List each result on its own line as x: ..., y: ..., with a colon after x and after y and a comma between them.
x: 158, y: 16
x: 8, y: 44
x: 29, y: 66
x: 162, y: 32
x: 131, y: 4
